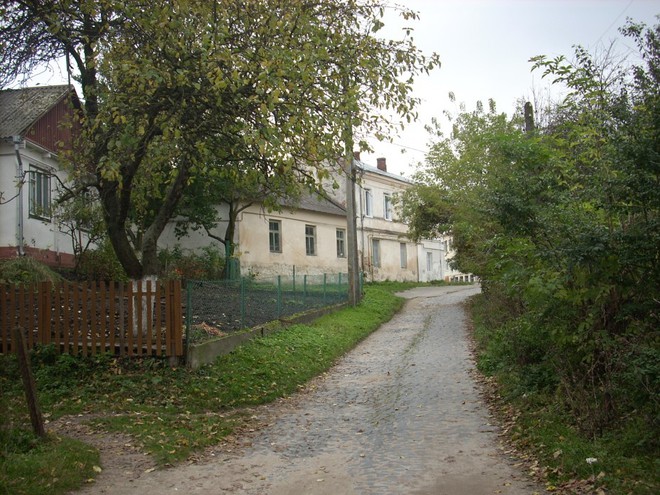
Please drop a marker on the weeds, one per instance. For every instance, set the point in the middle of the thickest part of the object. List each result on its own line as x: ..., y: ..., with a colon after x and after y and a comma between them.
x: 524, y: 362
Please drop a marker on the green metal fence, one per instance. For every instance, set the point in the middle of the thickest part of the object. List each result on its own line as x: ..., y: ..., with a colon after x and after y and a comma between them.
x: 225, y: 306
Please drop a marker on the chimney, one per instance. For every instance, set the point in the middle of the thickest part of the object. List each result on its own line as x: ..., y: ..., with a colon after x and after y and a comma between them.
x: 381, y: 163
x: 356, y: 155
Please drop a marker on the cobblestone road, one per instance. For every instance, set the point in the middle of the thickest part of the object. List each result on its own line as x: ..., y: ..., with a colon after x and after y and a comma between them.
x: 398, y: 415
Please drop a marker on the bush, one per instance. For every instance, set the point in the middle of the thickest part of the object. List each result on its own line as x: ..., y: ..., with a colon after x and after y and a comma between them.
x: 177, y: 264
x: 101, y: 264
x: 26, y: 270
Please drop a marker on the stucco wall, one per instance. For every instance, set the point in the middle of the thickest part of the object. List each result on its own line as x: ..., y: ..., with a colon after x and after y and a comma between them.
x: 196, y: 239
x: 254, y: 248
x: 40, y: 234
x: 436, y: 251
x: 389, y: 233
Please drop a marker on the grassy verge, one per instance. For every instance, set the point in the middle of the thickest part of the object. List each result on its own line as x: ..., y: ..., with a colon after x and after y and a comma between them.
x: 171, y: 412
x: 618, y: 461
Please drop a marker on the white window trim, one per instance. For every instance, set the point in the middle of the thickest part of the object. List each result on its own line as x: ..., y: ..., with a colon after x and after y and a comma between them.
x: 312, y: 236
x: 387, y: 207
x: 279, y: 236
x: 341, y: 241
x: 368, y: 203
x: 39, y: 205
x: 375, y: 253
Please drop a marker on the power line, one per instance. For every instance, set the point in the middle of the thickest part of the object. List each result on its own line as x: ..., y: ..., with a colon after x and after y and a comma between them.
x: 614, y: 21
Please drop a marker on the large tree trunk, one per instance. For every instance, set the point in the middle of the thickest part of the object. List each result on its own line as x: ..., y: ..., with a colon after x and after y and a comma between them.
x: 115, y: 220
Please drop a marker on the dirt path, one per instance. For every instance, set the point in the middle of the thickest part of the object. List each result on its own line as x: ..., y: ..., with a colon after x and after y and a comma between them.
x: 400, y: 414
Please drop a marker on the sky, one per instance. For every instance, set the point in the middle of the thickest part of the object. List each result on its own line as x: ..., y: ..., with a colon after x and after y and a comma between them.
x: 485, y: 47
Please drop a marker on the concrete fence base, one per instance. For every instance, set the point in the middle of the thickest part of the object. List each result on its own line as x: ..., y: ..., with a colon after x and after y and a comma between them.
x: 206, y: 352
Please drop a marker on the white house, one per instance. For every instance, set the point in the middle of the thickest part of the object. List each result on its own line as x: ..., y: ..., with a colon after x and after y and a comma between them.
x: 35, y: 125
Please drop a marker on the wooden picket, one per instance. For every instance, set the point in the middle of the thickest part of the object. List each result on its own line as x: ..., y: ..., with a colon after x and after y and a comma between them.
x: 91, y: 318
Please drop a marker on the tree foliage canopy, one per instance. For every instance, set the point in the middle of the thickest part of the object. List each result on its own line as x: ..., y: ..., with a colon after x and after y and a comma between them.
x: 563, y: 226
x: 256, y: 90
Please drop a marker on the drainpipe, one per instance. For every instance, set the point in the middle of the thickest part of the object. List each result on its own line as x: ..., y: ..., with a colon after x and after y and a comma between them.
x: 20, y: 175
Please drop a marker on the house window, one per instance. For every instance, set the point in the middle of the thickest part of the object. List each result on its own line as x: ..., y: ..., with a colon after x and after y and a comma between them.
x: 429, y: 262
x: 368, y: 203
x: 310, y: 240
x: 341, y: 243
x: 275, y: 236
x: 387, y: 207
x: 39, y: 193
x: 404, y: 254
x: 375, y: 252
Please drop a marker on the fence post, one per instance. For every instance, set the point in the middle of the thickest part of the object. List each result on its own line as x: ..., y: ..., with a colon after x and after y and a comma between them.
x: 325, y: 280
x: 44, y: 308
x: 279, y: 296
x: 28, y: 383
x: 305, y: 289
x: 242, y: 302
x: 188, y: 316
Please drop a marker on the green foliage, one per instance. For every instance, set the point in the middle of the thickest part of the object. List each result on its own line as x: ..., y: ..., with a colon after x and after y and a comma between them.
x: 55, y: 465
x: 25, y: 271
x: 213, y: 98
x: 101, y: 264
x: 207, y: 265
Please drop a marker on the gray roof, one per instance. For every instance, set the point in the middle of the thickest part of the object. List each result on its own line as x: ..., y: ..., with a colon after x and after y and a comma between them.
x: 315, y: 202
x: 20, y: 108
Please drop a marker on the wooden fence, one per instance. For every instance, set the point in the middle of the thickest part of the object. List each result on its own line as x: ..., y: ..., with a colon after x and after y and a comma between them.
x: 127, y: 319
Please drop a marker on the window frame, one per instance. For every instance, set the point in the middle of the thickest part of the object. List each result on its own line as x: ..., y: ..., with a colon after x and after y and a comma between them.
x: 39, y: 193
x: 375, y: 253
x: 341, y: 243
x: 275, y: 235
x: 310, y: 240
x: 368, y: 203
x: 387, y: 207
x: 403, y: 252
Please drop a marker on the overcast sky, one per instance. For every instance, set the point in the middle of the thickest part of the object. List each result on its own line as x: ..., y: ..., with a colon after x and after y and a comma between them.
x: 484, y: 48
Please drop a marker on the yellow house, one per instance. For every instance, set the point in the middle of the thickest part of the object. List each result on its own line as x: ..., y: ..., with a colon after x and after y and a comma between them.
x: 310, y: 237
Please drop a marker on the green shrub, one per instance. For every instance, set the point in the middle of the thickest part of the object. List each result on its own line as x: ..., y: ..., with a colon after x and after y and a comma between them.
x: 101, y: 264
x: 176, y: 264
x: 26, y: 270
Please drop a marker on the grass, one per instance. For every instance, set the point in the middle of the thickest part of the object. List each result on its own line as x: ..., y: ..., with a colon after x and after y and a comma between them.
x: 172, y: 412
x: 56, y: 465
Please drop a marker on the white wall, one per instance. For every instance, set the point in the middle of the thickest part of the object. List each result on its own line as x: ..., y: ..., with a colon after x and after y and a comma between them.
x: 390, y: 233
x: 434, y: 248
x: 37, y: 233
x: 197, y: 239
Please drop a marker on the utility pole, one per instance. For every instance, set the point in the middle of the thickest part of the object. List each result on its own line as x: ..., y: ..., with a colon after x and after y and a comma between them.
x: 354, y: 293
x: 529, y: 118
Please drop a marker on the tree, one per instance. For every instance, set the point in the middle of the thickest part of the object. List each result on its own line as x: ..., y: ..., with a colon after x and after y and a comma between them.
x: 238, y: 185
x: 563, y: 226
x: 451, y: 191
x: 174, y: 91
